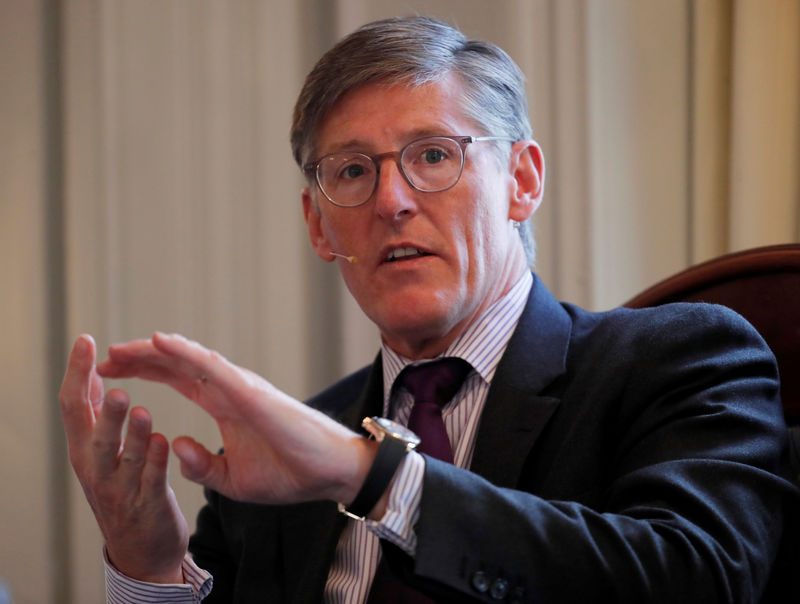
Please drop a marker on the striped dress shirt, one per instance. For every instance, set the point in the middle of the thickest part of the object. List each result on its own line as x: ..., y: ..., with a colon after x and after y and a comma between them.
x: 358, y: 552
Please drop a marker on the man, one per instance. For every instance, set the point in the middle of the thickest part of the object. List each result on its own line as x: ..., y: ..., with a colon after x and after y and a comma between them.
x: 629, y: 456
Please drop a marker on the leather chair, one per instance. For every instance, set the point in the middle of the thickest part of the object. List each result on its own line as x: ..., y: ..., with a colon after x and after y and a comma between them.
x: 762, y: 285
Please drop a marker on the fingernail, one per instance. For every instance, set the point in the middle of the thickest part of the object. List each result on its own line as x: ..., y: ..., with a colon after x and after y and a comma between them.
x: 81, y: 345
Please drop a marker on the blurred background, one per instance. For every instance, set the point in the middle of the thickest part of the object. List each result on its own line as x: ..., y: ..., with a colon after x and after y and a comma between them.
x: 146, y: 183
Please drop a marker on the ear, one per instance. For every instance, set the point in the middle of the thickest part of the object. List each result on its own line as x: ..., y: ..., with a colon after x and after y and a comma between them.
x: 526, y: 166
x: 316, y: 234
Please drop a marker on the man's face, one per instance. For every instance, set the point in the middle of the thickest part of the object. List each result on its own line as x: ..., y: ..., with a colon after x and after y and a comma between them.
x: 469, y: 254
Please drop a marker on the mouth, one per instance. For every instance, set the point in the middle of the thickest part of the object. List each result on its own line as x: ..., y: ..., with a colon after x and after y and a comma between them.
x: 404, y: 253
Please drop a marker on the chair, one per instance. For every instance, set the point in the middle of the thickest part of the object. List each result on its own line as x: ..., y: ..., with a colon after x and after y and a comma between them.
x: 762, y: 285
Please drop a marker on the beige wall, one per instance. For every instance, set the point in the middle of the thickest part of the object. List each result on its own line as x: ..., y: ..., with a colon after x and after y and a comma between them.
x: 146, y: 183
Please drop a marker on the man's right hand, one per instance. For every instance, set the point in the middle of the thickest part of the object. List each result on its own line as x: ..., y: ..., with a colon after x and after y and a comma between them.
x: 125, y: 482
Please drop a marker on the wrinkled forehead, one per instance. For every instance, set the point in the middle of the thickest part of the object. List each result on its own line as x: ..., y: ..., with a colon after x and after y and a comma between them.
x: 413, y: 110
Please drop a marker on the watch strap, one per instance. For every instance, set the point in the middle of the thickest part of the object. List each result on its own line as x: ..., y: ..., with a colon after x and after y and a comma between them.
x: 390, y: 454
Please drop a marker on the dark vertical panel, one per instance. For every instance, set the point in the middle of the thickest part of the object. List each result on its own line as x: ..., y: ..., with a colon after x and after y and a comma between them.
x: 691, y: 51
x: 59, y: 470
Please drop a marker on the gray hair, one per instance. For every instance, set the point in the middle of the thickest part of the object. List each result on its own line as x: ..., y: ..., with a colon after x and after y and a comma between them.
x: 417, y: 51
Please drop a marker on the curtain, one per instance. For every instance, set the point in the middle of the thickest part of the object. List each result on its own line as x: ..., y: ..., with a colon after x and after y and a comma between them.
x: 147, y: 184
x: 746, y: 125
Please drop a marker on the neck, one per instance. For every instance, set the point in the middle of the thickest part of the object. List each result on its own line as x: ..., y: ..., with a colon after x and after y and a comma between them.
x: 428, y: 346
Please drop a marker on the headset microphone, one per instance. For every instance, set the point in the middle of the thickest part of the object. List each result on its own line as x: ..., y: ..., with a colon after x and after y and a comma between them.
x: 350, y: 259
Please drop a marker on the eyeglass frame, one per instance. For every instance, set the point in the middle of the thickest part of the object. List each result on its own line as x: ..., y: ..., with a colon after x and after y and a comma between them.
x: 461, y: 141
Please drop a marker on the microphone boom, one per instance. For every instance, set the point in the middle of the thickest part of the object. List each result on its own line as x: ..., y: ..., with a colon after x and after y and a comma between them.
x: 350, y: 259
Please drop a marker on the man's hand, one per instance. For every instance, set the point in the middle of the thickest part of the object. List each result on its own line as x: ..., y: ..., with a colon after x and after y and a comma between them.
x: 125, y: 482
x: 276, y: 449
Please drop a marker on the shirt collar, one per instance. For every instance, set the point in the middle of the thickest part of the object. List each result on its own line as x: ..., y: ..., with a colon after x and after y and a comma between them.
x: 482, y: 344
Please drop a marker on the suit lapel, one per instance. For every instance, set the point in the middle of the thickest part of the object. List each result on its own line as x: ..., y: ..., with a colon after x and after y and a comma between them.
x: 310, y: 533
x: 516, y: 412
x: 369, y: 402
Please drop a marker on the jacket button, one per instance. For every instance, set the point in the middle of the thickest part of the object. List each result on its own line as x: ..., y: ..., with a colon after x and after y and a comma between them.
x: 499, y: 589
x: 480, y: 581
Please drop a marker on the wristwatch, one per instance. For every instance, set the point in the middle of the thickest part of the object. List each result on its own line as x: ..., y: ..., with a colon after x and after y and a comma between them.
x: 395, y: 441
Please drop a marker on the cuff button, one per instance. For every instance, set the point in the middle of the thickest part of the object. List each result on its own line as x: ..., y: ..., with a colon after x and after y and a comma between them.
x: 480, y: 582
x: 499, y: 589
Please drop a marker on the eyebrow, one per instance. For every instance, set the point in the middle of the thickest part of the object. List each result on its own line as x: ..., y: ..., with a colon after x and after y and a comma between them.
x: 360, y: 146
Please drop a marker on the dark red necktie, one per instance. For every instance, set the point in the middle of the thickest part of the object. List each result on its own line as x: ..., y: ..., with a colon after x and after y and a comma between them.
x: 432, y: 386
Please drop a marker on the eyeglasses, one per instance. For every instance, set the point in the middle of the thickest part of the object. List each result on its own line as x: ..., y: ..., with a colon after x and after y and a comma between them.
x: 430, y: 165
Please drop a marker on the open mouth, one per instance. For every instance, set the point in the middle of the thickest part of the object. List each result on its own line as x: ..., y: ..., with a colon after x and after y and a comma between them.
x: 404, y: 253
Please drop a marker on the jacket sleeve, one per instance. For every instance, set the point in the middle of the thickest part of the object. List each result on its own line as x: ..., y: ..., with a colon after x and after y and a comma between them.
x: 657, y: 479
x: 209, y: 549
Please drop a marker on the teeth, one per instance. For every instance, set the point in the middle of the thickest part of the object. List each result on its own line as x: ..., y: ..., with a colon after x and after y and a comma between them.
x: 403, y: 252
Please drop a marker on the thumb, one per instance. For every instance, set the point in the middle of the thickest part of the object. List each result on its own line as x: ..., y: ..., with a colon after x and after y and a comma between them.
x: 199, y: 465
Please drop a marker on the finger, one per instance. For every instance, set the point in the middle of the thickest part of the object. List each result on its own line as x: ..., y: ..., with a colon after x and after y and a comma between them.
x: 190, y: 387
x: 206, y: 371
x: 193, y: 360
x: 96, y: 395
x: 154, y: 473
x: 147, y: 369
x: 141, y: 359
x: 130, y: 350
x: 199, y: 465
x: 107, y: 434
x: 185, y: 366
x: 134, y: 450
x: 75, y: 394
x: 125, y: 356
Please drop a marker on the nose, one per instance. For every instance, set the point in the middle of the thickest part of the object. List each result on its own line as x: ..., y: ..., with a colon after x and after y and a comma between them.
x: 395, y: 198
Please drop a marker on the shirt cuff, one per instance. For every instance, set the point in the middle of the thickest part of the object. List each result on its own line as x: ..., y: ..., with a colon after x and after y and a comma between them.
x: 121, y: 589
x: 402, y: 512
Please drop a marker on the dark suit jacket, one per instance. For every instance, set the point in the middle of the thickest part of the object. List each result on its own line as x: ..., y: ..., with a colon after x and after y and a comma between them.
x: 628, y: 456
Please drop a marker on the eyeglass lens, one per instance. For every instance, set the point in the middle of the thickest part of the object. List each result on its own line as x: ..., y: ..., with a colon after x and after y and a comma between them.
x: 429, y: 164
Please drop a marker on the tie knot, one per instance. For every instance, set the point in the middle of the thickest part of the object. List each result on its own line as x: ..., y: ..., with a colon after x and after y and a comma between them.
x: 435, y: 382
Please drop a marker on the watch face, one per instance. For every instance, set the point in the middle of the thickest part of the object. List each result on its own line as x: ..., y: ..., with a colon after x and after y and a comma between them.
x: 395, y: 430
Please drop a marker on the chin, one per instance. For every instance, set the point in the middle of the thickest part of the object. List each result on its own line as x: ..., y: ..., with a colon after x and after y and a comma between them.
x: 413, y: 327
